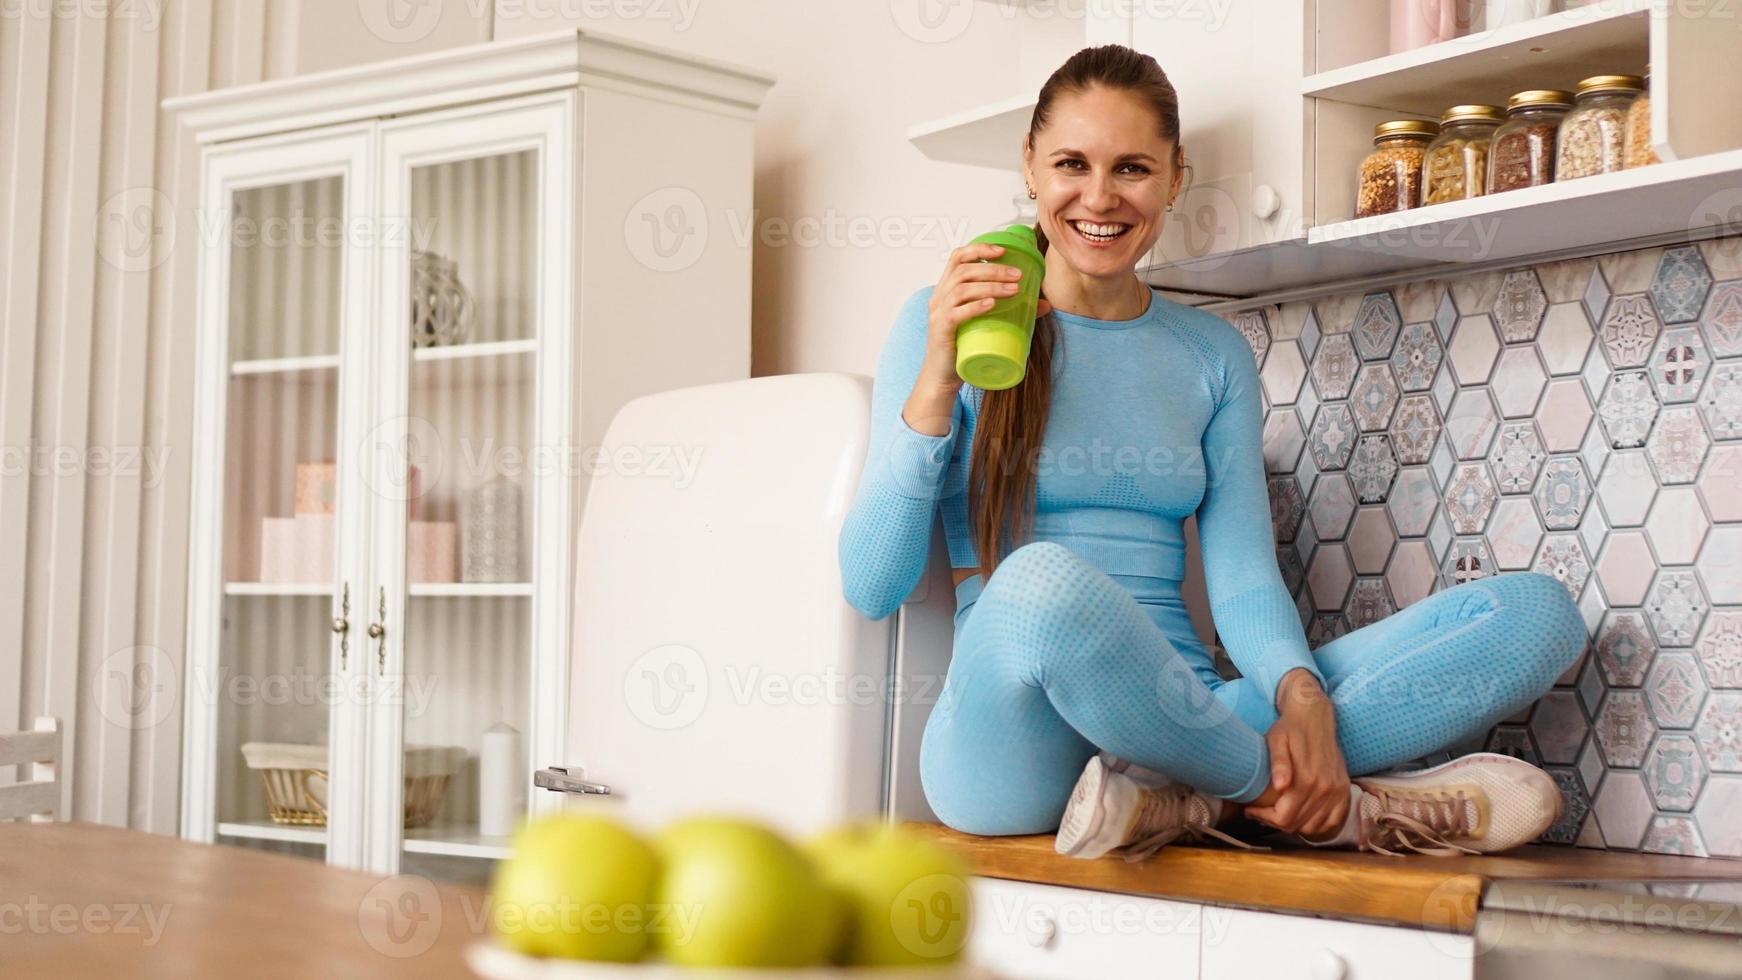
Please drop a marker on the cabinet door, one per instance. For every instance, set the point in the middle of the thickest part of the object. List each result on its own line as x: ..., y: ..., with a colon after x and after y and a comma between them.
x: 1237, y: 69
x: 470, y: 461
x: 1042, y: 931
x: 272, y: 755
x: 1240, y: 943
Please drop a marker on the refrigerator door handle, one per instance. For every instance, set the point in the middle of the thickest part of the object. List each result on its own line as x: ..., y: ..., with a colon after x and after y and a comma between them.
x: 561, y: 779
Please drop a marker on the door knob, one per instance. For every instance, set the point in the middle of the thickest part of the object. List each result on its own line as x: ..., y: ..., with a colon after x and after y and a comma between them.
x: 1265, y: 201
x: 342, y: 626
x: 560, y: 779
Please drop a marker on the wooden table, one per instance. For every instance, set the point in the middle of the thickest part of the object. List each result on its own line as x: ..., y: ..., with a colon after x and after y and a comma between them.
x: 1422, y: 892
x: 84, y: 900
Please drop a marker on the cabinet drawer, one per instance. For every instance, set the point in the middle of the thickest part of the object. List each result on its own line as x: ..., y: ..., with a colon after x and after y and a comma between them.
x: 1241, y: 944
x: 1024, y: 930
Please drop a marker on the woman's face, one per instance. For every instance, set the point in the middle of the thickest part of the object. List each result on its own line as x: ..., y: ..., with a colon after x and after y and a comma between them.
x: 1101, y: 165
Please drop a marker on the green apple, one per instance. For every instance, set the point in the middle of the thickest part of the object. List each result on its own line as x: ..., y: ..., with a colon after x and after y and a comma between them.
x: 735, y: 893
x: 576, y: 887
x: 907, y: 897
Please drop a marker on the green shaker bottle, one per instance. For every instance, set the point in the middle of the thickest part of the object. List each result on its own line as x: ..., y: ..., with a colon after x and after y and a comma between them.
x: 992, y: 348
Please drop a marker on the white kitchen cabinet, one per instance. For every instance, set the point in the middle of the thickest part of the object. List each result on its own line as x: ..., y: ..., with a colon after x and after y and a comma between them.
x: 571, y: 180
x: 1023, y: 930
x: 1238, y: 944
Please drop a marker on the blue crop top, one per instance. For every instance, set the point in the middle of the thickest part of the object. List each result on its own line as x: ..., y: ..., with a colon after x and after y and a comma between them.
x: 1153, y: 419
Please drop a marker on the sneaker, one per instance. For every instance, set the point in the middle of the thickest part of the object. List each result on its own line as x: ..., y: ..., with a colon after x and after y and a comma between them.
x: 1480, y: 803
x: 1109, y: 809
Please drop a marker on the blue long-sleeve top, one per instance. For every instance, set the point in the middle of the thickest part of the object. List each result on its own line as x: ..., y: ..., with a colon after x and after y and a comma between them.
x: 1153, y: 419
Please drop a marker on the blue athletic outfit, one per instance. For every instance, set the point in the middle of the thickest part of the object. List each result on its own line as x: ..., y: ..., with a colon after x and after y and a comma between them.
x: 1082, y: 641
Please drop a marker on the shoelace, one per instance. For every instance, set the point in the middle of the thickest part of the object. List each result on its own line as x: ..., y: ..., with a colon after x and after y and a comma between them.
x: 1422, y: 821
x: 1169, y: 809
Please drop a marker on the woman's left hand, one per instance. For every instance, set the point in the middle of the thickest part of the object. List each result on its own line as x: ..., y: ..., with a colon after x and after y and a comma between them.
x: 1306, y: 765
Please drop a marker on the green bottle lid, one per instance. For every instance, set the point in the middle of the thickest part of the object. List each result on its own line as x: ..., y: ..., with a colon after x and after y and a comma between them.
x: 1016, y: 238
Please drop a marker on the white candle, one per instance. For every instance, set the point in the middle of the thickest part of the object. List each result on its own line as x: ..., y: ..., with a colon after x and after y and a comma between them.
x: 500, y: 781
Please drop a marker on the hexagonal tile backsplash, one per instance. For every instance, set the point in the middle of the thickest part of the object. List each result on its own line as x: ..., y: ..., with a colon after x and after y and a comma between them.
x: 1582, y: 418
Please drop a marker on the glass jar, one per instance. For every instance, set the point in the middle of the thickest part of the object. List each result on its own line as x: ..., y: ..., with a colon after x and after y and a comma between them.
x: 1638, y: 152
x: 1456, y: 163
x: 1594, y: 134
x: 1522, y: 154
x: 1391, y: 174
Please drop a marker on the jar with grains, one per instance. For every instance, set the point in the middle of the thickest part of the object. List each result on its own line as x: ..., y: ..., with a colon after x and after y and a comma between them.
x: 1638, y: 151
x: 1522, y: 154
x: 1391, y: 174
x: 1456, y: 163
x: 1594, y: 134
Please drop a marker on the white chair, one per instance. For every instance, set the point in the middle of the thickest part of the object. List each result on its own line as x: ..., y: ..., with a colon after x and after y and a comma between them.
x: 39, y: 797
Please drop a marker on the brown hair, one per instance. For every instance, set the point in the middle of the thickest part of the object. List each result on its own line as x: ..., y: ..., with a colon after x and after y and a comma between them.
x: 1012, y: 421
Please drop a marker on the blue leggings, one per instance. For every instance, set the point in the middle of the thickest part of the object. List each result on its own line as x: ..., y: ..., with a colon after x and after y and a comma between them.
x: 1056, y: 660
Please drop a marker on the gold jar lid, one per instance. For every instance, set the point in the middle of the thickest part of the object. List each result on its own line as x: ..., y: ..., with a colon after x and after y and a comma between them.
x: 1611, y: 83
x: 1533, y: 98
x: 1405, y: 127
x: 1472, y: 113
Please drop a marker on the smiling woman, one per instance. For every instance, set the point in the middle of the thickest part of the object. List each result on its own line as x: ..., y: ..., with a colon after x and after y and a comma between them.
x: 1079, y: 695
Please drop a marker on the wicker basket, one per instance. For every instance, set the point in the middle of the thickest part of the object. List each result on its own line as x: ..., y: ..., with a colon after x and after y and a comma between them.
x: 295, y: 779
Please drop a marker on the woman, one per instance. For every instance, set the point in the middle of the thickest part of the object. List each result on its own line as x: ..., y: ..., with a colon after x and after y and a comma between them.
x: 1079, y: 696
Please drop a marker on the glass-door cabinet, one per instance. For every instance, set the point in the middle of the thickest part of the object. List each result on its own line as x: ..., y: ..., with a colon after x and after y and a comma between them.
x: 382, y: 497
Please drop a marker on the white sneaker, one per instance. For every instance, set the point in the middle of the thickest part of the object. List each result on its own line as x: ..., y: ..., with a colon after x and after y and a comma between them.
x: 1480, y: 803
x: 1110, y: 809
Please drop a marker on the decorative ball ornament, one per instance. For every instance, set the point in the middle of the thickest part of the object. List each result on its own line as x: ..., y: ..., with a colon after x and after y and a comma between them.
x: 441, y: 307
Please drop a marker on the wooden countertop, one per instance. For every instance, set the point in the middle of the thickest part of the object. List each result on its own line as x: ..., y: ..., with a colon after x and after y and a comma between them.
x: 1423, y: 892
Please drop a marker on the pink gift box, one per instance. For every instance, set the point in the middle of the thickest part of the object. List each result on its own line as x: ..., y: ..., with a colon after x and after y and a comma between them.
x: 431, y: 554
x: 297, y: 549
x: 317, y: 489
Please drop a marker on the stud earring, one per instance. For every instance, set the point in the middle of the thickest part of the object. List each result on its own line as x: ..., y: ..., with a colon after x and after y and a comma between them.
x: 1031, y: 193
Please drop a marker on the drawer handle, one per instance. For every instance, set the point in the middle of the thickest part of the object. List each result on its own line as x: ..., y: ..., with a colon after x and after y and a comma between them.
x: 1327, y: 965
x: 1044, y: 933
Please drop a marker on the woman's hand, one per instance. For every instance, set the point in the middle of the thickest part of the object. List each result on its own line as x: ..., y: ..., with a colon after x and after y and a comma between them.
x: 968, y: 288
x: 1306, y: 765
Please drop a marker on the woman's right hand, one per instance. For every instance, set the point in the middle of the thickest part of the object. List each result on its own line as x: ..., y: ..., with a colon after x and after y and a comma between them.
x: 968, y: 288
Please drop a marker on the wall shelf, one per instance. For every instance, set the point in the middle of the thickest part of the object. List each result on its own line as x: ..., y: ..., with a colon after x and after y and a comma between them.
x: 499, y: 348
x: 457, y: 840
x: 985, y: 136
x: 284, y: 365
x: 278, y: 588
x: 267, y: 830
x: 462, y: 590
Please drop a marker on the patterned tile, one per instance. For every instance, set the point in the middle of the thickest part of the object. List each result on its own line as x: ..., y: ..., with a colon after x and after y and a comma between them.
x: 1593, y: 529
x: 1675, y: 689
x: 1445, y: 316
x: 1563, y: 556
x: 1473, y: 348
x: 1377, y: 323
x: 1289, y: 564
x: 1720, y: 483
x: 1565, y: 339
x: 1329, y: 576
x: 1413, y: 501
x: 1283, y: 442
x: 1562, y: 492
x: 1370, y: 540
x: 1716, y: 816
x: 1564, y: 415
x: 1515, y: 533
x: 1590, y: 688
x: 1517, y: 458
x: 1415, y: 428
x: 1470, y: 498
x: 1626, y: 488
x: 1679, y: 364
x: 1596, y: 298
x: 1374, y: 397
x: 1625, y: 648
x: 1623, y: 809
x: 1721, y: 400
x: 1719, y: 731
x: 1670, y: 834
x: 1334, y: 364
x: 1629, y: 330
x: 1331, y: 504
x: 1675, y: 607
x: 1471, y: 423
x: 1326, y: 627
x: 1624, y: 568
x: 1514, y: 740
x: 1558, y: 726
x: 1676, y: 525
x: 1309, y: 333
x: 1720, y: 564
x: 1369, y: 602
x: 1416, y: 361
x: 1467, y: 559
x: 1674, y: 772
x: 1627, y: 409
x: 1519, y: 307
x: 1518, y: 381
x: 1623, y: 728
x: 1722, y: 320
x: 1412, y: 574
x: 1574, y: 814
x: 1253, y: 326
x: 1332, y: 437
x: 1719, y: 649
x: 1287, y: 507
x: 1284, y: 371
x: 1679, y: 288
x: 1372, y: 468
x: 1677, y: 444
